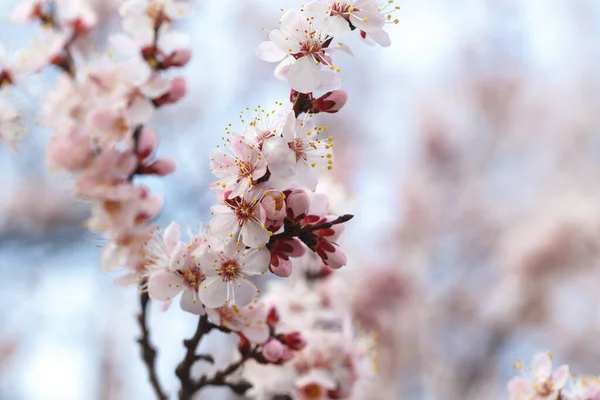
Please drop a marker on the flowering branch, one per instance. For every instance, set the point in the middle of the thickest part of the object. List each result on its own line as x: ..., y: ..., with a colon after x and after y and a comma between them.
x: 148, y: 350
x: 295, y: 231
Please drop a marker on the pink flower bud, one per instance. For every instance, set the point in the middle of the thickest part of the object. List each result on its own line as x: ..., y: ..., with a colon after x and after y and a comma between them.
x: 273, y: 351
x: 294, y: 341
x: 179, y: 58
x: 330, y: 102
x: 176, y: 92
x: 147, y: 142
x: 273, y: 317
x: 178, y: 89
x: 280, y: 266
x: 161, y: 167
x: 297, y: 203
x: 330, y: 253
x: 273, y: 203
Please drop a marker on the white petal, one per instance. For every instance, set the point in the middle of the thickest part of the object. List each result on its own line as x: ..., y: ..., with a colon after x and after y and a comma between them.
x: 291, y: 21
x: 253, y: 235
x: 257, y: 332
x: 256, y: 262
x: 305, y: 75
x: 336, y: 26
x: 178, y: 9
x: 282, y: 70
x: 112, y: 257
x: 223, y: 225
x: 316, y: 10
x: 140, y: 111
x: 244, y: 292
x: 191, y: 303
x: 306, y: 175
x: 163, y: 286
x: 368, y: 21
x: 381, y: 38
x: 172, y: 236
x: 269, y: 52
x: 330, y: 81
x: 541, y: 365
x: 213, y: 292
x: 124, y: 44
x: 280, y: 158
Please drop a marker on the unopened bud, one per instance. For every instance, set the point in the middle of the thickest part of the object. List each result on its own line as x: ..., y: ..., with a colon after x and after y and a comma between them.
x: 330, y: 102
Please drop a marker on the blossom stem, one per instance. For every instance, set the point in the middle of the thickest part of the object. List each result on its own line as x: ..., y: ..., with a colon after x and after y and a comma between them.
x: 148, y: 350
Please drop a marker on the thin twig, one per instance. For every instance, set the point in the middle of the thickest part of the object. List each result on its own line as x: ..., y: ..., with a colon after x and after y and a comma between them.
x: 148, y: 351
x: 220, y: 377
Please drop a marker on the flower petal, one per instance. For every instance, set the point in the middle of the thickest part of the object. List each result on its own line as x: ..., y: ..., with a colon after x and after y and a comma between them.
x: 270, y: 52
x: 191, y: 303
x: 305, y: 75
x: 163, y: 286
x: 213, y: 292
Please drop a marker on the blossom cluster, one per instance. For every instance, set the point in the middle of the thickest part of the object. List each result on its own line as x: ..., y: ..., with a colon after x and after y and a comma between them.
x: 336, y: 355
x: 540, y: 382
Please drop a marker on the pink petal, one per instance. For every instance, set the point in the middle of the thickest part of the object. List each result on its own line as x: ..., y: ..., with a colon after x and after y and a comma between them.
x: 244, y: 292
x: 213, y: 292
x: 541, y: 365
x: 172, y: 236
x: 163, y: 286
x: 560, y: 377
x: 254, y: 235
x: 223, y: 225
x: 191, y: 303
x: 256, y: 262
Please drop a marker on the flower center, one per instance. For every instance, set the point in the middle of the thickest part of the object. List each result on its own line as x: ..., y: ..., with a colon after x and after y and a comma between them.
x: 245, y: 170
x: 339, y: 8
x: 229, y: 270
x: 243, y: 210
x: 312, y: 391
x: 192, y: 277
x: 544, y: 389
x: 298, y: 147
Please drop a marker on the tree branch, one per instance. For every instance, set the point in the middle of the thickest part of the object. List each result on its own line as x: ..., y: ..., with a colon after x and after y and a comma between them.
x: 148, y: 351
x: 184, y: 369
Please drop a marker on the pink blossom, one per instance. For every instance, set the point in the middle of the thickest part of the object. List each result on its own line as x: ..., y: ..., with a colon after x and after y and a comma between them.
x: 238, y: 166
x: 542, y: 384
x: 243, y: 219
x: 339, y: 17
x: 300, y: 48
x: 249, y: 320
x: 227, y: 273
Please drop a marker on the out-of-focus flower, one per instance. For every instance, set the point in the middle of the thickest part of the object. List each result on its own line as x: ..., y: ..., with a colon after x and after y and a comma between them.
x: 543, y: 383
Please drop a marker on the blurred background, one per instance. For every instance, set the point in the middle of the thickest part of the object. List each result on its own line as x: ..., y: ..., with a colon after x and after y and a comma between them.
x: 469, y: 150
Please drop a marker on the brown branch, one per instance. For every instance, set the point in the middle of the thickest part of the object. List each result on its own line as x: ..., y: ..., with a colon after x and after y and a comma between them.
x: 220, y: 377
x: 184, y: 369
x: 148, y: 351
x: 311, y: 228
